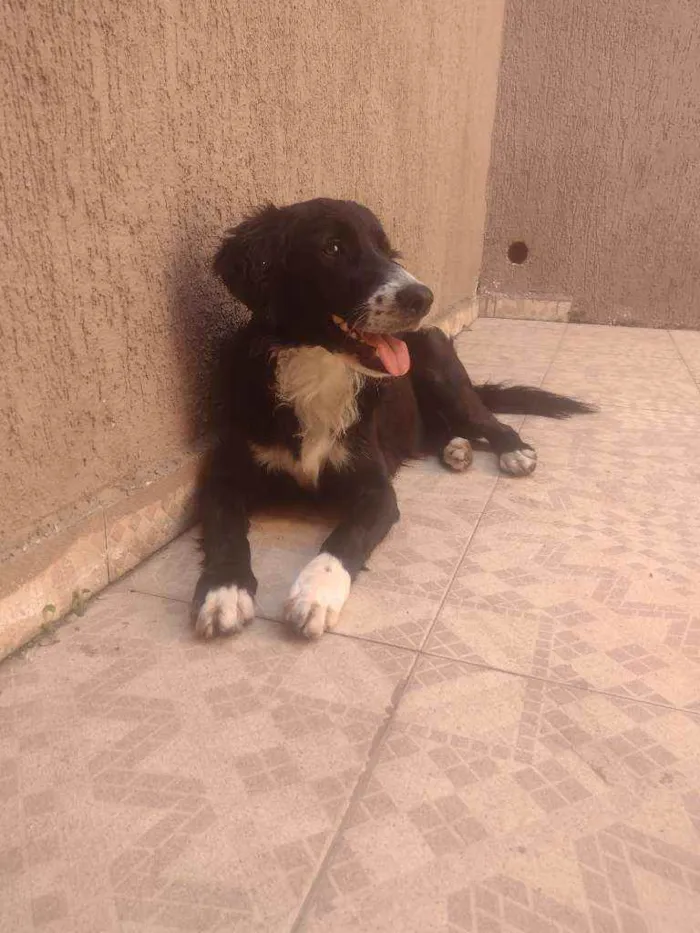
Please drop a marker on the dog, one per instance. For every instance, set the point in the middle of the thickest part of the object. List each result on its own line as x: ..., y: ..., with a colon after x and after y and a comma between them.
x: 327, y: 391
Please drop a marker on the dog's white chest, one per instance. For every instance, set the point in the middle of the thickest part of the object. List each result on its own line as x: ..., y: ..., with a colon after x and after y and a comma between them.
x: 322, y: 389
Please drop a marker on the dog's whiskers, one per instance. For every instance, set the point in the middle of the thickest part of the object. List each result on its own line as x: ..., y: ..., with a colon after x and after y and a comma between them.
x: 361, y: 318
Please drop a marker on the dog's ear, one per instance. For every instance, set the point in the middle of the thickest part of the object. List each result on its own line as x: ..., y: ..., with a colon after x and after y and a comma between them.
x: 249, y: 256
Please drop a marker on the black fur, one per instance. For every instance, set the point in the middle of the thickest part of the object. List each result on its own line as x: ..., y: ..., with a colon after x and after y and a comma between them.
x: 313, y: 275
x: 503, y: 398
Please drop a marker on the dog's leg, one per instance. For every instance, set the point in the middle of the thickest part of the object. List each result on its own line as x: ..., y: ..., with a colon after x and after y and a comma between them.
x: 223, y: 599
x: 446, y: 395
x: 323, y: 586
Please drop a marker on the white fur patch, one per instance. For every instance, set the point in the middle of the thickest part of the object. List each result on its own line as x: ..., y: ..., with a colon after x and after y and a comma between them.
x: 382, y: 312
x: 518, y: 462
x: 318, y: 595
x: 224, y: 611
x: 458, y: 454
x: 278, y: 459
x: 322, y: 389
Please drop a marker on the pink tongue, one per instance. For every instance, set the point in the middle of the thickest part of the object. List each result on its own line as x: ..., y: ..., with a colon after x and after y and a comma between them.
x: 391, y: 351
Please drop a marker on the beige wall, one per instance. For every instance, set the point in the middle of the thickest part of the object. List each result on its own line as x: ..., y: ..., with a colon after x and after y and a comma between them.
x: 134, y: 132
x: 596, y: 159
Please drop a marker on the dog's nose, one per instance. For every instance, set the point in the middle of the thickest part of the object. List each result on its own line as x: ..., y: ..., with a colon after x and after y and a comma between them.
x: 415, y: 298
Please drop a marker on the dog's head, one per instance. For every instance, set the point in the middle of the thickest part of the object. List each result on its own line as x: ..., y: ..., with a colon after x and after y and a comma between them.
x: 322, y: 273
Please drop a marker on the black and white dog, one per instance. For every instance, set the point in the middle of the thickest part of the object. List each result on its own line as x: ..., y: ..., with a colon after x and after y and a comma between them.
x: 325, y: 393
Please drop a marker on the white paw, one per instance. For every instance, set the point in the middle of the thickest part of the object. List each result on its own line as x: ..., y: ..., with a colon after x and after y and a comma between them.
x: 318, y: 595
x: 458, y: 454
x: 224, y: 611
x: 518, y: 462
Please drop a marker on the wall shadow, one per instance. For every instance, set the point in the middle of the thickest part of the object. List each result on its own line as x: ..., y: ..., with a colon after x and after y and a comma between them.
x: 202, y: 316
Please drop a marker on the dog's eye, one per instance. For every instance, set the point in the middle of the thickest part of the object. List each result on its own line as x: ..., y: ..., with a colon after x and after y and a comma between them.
x: 333, y: 248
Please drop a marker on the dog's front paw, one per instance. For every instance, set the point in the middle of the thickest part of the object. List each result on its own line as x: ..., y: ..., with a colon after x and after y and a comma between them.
x: 458, y: 454
x: 518, y: 462
x: 318, y: 595
x: 224, y: 610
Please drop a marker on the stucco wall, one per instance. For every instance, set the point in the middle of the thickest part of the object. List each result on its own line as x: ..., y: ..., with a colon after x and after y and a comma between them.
x: 596, y: 159
x: 133, y: 133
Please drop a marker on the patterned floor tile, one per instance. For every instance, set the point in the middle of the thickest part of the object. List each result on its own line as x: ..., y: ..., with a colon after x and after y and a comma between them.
x: 611, y: 468
x: 153, y: 783
x: 499, y: 331
x: 605, y: 608
x: 150, y: 782
x: 551, y: 810
x: 171, y: 572
x: 588, y: 571
x: 397, y: 598
x: 520, y: 352
x: 622, y: 379
x: 590, y: 341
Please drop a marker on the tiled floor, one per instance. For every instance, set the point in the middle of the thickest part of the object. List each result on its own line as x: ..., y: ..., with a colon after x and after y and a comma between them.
x: 503, y: 735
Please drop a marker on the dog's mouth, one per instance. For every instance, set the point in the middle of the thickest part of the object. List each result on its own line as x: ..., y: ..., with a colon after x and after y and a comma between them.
x: 383, y: 353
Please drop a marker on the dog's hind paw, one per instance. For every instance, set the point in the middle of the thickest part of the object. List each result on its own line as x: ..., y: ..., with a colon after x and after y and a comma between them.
x: 518, y: 462
x: 225, y: 610
x: 318, y: 596
x: 458, y: 454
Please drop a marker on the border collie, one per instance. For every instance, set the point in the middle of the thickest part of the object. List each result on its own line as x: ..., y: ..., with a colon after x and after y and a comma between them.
x: 323, y: 395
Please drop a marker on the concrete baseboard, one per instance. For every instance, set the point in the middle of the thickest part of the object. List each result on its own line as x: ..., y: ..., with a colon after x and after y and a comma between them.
x: 459, y: 317
x: 59, y: 574
x: 524, y: 309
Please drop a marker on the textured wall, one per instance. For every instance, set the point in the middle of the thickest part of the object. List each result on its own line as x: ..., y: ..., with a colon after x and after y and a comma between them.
x: 134, y: 132
x: 596, y: 159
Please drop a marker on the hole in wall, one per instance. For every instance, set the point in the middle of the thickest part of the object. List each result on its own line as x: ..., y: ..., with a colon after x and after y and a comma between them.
x: 518, y: 252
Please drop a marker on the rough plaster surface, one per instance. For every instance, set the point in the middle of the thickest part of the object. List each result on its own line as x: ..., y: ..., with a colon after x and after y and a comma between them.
x: 596, y: 159
x: 134, y: 133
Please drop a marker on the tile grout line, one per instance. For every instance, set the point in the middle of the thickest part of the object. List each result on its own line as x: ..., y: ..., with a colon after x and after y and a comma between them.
x: 554, y: 355
x: 485, y: 666
x: 511, y: 672
x: 683, y: 359
x: 380, y: 735
x: 358, y: 791
x: 470, y: 538
x: 640, y: 408
x: 549, y: 366
x: 459, y: 562
x: 490, y: 496
x: 567, y: 685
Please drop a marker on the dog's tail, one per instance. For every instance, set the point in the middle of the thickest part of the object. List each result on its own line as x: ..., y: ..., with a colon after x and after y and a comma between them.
x: 501, y: 398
